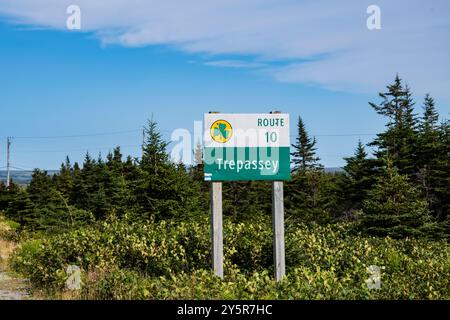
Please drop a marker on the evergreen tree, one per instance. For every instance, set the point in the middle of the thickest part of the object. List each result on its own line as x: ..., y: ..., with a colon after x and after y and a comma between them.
x: 133, y: 180
x: 441, y: 175
x: 43, y: 208
x: 312, y: 196
x: 89, y: 192
x: 131, y: 170
x: 20, y: 208
x: 358, y: 179
x: 198, y: 167
x: 64, y: 179
x: 430, y: 118
x: 399, y: 142
x: 75, y: 198
x: 101, y: 189
x: 163, y: 191
x: 434, y: 160
x: 3, y: 196
x: 429, y: 150
x: 304, y: 155
x: 395, y: 208
x: 41, y: 187
x: 114, y: 161
x: 83, y: 184
x: 155, y: 156
x: 238, y: 201
x: 116, y: 186
x: 7, y: 194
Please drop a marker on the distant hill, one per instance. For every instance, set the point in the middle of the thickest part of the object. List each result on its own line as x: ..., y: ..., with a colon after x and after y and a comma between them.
x: 24, y: 177
x: 21, y: 177
x: 334, y: 170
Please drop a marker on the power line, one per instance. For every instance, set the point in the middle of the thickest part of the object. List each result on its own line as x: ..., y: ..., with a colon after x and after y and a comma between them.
x: 345, y: 135
x: 165, y: 131
x: 20, y: 165
x: 79, y: 135
x: 78, y: 149
x: 341, y: 135
x: 21, y: 169
x: 111, y: 133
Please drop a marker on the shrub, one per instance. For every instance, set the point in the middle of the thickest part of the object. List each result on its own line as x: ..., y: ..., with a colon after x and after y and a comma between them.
x: 8, y: 229
x: 168, y: 260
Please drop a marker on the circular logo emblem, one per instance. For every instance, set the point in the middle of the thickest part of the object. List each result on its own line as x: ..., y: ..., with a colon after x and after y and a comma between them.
x: 221, y: 131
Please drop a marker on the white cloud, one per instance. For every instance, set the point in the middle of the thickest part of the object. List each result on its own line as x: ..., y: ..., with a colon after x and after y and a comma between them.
x: 234, y: 64
x: 324, y: 44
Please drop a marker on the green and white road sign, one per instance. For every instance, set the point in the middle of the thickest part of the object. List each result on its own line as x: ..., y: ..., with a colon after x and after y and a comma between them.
x: 246, y: 147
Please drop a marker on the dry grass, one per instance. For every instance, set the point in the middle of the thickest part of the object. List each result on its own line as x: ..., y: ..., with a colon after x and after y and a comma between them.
x: 6, y: 248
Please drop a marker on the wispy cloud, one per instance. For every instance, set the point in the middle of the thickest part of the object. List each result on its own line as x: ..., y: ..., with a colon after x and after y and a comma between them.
x: 235, y: 64
x: 330, y: 38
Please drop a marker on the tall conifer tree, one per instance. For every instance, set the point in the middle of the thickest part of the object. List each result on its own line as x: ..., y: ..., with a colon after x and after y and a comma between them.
x: 304, y: 155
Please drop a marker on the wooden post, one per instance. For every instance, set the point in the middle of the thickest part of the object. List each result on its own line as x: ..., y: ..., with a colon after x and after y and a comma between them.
x: 278, y: 229
x: 217, y: 228
x: 279, y: 256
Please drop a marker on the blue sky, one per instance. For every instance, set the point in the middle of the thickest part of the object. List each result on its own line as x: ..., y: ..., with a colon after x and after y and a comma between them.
x: 120, y: 69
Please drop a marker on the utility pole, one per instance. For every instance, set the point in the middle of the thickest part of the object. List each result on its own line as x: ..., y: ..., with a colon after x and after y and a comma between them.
x: 8, y: 165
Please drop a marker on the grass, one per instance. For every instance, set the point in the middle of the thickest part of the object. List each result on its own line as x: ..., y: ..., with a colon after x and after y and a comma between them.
x: 11, y: 286
x: 6, y: 248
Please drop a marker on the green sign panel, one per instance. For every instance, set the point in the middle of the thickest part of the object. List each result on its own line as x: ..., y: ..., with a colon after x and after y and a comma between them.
x: 246, y: 147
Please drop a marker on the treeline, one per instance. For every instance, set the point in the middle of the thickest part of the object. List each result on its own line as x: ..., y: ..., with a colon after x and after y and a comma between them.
x: 402, y: 191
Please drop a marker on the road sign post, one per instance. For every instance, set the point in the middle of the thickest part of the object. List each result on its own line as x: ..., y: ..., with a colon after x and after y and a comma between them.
x: 278, y: 230
x: 217, y: 228
x: 242, y: 147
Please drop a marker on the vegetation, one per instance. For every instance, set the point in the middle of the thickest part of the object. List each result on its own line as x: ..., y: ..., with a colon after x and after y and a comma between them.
x: 170, y: 260
x: 139, y: 229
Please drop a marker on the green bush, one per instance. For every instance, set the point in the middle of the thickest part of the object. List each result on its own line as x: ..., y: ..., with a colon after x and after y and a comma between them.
x: 8, y: 228
x: 169, y: 260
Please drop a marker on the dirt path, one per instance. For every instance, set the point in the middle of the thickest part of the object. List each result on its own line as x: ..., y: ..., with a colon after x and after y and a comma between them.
x: 11, y: 288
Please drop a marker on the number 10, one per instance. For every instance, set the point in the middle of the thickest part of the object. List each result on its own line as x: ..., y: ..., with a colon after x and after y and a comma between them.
x: 271, y: 137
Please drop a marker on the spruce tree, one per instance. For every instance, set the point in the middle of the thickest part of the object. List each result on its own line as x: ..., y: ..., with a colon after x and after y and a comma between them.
x: 64, y: 179
x: 41, y: 187
x: 116, y: 186
x: 163, y: 191
x: 8, y: 194
x: 430, y: 120
x: 155, y: 156
x: 429, y: 149
x: 20, y: 208
x: 42, y: 207
x: 89, y: 187
x: 198, y: 166
x: 237, y: 200
x: 81, y: 195
x: 395, y: 208
x: 131, y: 170
x: 441, y: 176
x: 399, y: 142
x: 358, y: 179
x: 304, y: 155
x: 3, y: 197
x: 312, y: 196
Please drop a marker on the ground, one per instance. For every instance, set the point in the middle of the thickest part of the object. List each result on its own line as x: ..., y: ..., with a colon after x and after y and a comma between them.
x: 11, y: 287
